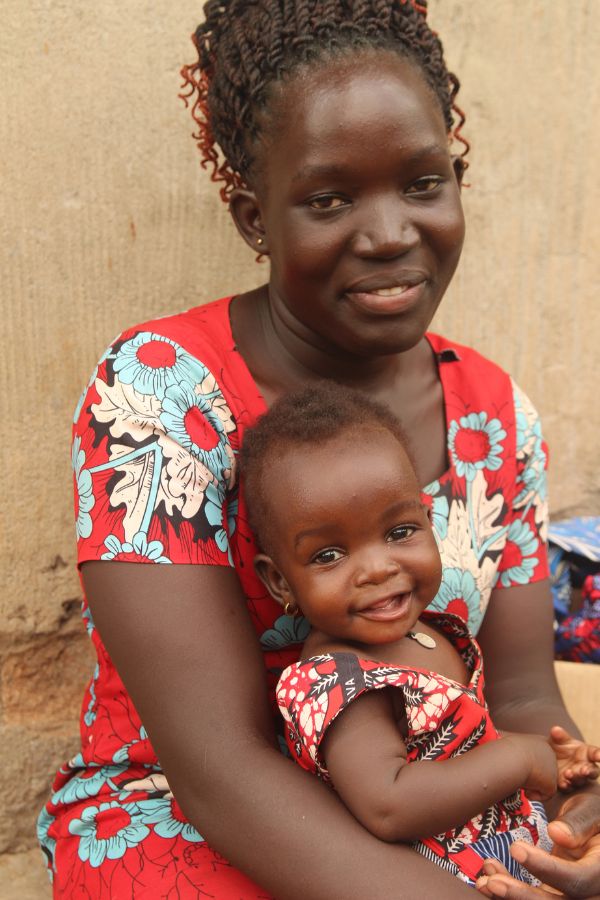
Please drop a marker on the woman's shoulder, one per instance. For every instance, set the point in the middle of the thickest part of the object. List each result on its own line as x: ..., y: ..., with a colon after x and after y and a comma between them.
x: 199, y: 330
x: 193, y: 350
x: 475, y: 386
x: 467, y: 358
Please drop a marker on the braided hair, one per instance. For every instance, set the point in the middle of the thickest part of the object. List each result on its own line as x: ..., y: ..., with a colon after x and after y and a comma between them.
x: 246, y: 46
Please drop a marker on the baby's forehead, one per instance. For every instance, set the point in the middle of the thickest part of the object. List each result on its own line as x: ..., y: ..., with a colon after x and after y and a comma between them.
x: 328, y: 456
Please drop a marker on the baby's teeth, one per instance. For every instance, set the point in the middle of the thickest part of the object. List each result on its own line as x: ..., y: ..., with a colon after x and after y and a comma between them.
x: 392, y: 291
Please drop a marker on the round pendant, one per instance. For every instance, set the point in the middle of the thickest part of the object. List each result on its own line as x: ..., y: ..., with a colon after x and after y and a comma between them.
x: 425, y: 640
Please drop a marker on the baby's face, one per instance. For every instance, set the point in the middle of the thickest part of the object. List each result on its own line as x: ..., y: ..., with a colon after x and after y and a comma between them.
x: 352, y: 539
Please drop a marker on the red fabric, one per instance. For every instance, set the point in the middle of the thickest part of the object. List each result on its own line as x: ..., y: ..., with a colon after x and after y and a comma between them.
x: 155, y: 440
x: 445, y: 719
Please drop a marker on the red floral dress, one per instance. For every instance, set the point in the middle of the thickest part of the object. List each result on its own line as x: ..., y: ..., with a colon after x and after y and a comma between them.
x: 444, y: 720
x: 155, y: 439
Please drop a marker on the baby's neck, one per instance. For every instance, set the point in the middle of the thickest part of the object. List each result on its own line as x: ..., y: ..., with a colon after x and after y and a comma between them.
x: 424, y: 648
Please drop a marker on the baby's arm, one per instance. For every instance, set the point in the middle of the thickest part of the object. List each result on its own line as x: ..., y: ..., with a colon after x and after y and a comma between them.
x: 366, y: 758
x: 577, y: 761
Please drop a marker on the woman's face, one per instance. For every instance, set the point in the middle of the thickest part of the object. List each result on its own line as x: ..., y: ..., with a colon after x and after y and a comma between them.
x: 360, y: 205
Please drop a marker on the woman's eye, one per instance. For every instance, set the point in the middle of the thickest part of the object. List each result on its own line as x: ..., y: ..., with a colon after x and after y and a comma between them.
x: 401, y: 532
x: 327, y: 201
x: 425, y: 185
x: 326, y: 556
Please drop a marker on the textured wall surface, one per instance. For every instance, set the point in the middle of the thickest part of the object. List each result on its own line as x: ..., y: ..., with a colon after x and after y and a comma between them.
x: 105, y: 219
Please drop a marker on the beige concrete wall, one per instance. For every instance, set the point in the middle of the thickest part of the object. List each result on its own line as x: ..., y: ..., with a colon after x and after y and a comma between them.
x: 105, y: 219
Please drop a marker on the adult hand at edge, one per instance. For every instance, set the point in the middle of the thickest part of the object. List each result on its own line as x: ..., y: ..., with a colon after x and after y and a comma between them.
x: 571, y: 871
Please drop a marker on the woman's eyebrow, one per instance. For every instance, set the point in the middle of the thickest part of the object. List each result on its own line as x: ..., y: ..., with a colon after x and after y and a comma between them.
x: 331, y: 170
x: 320, y: 171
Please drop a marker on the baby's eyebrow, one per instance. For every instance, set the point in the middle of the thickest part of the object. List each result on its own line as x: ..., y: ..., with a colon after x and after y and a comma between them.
x: 405, y: 506
x: 313, y: 532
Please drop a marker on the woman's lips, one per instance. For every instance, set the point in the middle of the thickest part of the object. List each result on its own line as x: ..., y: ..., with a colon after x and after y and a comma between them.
x: 387, y: 301
x: 387, y: 609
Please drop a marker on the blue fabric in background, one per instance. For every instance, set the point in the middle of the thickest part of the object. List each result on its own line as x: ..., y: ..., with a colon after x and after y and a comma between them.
x: 575, y: 562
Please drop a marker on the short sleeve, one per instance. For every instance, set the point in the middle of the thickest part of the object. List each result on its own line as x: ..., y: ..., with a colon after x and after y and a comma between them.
x: 153, y: 457
x: 525, y: 559
x: 311, y: 694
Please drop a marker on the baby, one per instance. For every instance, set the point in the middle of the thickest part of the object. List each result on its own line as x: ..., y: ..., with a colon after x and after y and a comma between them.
x: 346, y: 539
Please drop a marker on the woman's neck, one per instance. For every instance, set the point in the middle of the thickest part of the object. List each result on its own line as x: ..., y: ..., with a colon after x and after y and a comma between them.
x: 283, y: 354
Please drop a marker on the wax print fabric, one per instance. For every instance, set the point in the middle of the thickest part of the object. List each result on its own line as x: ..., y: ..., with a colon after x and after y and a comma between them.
x: 444, y: 720
x: 155, y: 444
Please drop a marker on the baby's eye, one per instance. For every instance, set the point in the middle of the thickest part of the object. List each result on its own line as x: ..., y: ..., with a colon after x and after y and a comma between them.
x: 326, y: 201
x: 401, y: 532
x: 425, y: 185
x: 323, y: 557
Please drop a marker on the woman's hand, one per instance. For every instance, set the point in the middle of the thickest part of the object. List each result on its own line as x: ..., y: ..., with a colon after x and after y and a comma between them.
x: 577, y: 761
x: 572, y: 870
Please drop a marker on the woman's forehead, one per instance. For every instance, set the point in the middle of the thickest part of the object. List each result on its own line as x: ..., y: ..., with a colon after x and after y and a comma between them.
x: 353, y: 99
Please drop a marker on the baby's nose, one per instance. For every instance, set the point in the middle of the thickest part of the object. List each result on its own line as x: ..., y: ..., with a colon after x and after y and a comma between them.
x: 375, y: 566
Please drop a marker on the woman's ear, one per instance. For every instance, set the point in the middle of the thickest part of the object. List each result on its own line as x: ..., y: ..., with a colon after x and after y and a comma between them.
x: 245, y: 212
x: 272, y: 579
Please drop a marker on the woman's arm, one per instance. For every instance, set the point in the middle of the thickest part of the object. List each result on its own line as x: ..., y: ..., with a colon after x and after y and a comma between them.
x: 400, y: 801
x: 185, y: 648
x: 517, y: 641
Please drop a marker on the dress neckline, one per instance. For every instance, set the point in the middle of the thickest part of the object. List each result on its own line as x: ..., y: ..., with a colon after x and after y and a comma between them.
x: 443, y: 353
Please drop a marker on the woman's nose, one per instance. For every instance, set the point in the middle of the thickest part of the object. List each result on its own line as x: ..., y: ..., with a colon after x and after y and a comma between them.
x: 386, y: 229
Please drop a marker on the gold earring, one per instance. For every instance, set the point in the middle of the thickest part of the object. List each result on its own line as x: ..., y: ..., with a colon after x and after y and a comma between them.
x: 259, y: 241
x: 290, y: 609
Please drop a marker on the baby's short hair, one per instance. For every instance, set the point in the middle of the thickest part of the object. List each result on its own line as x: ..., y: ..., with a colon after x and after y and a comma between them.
x: 308, y: 417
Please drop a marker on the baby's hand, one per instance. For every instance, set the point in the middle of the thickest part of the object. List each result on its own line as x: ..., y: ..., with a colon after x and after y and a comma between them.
x: 577, y: 761
x: 540, y: 784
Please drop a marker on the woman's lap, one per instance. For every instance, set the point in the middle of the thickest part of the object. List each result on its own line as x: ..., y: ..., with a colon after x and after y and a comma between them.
x: 122, y: 843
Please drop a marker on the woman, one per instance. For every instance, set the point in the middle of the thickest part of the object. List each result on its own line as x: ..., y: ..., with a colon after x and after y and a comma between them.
x: 334, y: 120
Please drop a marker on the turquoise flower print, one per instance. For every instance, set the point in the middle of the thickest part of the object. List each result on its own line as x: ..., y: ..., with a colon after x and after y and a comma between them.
x: 474, y: 443
x: 83, y: 488
x: 122, y: 755
x: 439, y: 509
x: 47, y: 843
x: 189, y: 419
x: 459, y: 594
x: 139, y: 550
x: 88, y: 784
x: 533, y: 478
x: 213, y: 510
x: 90, y: 715
x: 517, y: 564
x: 107, y: 831
x: 168, y: 820
x: 86, y: 615
x: 151, y: 363
x: 286, y: 630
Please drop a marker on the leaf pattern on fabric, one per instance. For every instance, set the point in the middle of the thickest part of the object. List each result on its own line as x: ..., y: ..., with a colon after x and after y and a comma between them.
x: 472, y: 739
x: 489, y: 822
x: 445, y: 720
x: 126, y: 411
x: 156, y: 483
x: 438, y: 741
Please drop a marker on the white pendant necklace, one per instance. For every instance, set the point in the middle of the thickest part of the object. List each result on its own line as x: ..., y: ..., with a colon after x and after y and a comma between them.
x: 425, y: 640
